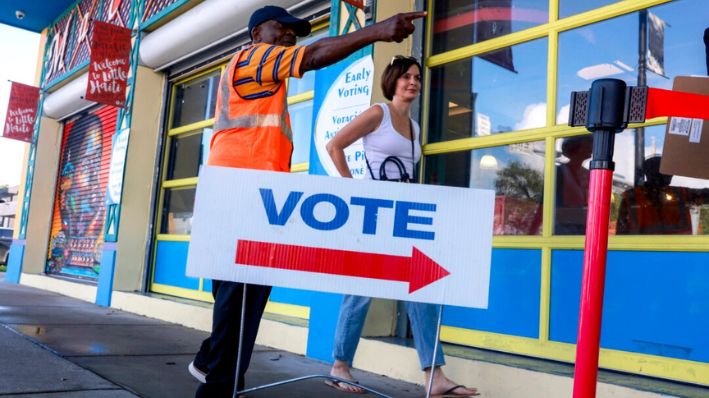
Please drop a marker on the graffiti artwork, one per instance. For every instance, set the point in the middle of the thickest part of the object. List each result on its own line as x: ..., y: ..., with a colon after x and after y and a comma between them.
x: 76, y: 238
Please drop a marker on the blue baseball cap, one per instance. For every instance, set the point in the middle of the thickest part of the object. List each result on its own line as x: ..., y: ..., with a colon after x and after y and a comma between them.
x: 301, y: 27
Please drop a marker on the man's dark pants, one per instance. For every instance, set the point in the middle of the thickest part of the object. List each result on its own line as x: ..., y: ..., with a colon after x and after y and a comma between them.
x: 217, y: 355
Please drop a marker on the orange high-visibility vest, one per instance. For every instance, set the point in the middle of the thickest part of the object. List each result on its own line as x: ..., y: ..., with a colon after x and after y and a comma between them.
x: 251, y: 132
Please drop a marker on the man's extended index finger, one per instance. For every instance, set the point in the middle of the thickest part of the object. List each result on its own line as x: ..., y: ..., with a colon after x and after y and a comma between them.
x: 415, y: 15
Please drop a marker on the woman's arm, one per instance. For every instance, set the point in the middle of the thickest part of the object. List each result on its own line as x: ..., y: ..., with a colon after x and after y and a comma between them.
x: 362, y: 125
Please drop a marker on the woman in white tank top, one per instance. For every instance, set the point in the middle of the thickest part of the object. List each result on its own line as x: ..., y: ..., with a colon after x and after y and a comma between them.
x: 388, y: 132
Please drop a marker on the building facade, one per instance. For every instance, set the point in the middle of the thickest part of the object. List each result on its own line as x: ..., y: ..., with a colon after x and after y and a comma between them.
x: 8, y: 206
x: 493, y: 111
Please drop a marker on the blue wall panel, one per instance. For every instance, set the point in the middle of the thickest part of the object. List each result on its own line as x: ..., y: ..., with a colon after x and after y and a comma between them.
x: 291, y: 296
x: 207, y: 286
x: 655, y: 303
x: 170, y: 265
x: 513, y: 306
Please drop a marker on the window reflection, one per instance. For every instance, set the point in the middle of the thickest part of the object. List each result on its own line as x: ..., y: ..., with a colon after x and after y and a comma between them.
x: 674, y: 36
x: 644, y: 201
x: 307, y: 82
x: 515, y: 172
x: 647, y: 202
x: 495, y: 92
x: 573, y: 7
x: 187, y: 152
x: 457, y: 23
x: 195, y: 100
x: 572, y: 178
x: 177, y: 211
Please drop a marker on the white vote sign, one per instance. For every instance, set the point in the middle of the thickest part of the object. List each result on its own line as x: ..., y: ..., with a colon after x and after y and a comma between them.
x: 371, y: 238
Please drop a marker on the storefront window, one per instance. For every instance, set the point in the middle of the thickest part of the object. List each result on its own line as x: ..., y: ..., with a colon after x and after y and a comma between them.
x: 457, y: 23
x: 572, y: 181
x: 195, y: 100
x: 177, y: 211
x: 644, y: 201
x: 307, y: 82
x: 573, y: 7
x: 610, y: 49
x: 301, y: 117
x: 516, y: 174
x: 504, y: 90
x: 647, y: 202
x: 188, y: 152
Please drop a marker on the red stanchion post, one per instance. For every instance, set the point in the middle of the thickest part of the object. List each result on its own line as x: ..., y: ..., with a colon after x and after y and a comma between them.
x: 606, y: 116
x: 605, y: 110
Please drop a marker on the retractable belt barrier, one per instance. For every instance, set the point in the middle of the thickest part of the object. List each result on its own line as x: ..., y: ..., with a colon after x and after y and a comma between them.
x: 605, y: 110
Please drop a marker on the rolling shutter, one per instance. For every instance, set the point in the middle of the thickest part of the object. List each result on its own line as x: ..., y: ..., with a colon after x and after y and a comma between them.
x: 76, y: 236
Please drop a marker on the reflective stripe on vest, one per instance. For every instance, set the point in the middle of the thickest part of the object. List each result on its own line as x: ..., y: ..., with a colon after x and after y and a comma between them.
x: 225, y: 122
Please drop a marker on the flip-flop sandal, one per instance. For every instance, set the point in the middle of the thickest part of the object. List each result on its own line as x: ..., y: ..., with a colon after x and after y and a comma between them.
x: 450, y: 393
x: 338, y: 385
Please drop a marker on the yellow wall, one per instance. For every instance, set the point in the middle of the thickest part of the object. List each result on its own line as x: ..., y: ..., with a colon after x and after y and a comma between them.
x: 139, y: 181
x: 42, y: 203
x: 25, y: 158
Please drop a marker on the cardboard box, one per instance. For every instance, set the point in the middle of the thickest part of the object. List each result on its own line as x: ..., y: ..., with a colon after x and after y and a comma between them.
x: 686, y: 148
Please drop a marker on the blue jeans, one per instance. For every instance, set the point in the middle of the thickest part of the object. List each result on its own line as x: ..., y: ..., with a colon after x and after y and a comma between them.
x: 353, y: 313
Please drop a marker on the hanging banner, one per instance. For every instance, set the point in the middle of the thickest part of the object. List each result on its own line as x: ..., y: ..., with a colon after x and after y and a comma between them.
x: 21, y: 112
x: 656, y: 44
x: 110, y: 60
x: 357, y: 3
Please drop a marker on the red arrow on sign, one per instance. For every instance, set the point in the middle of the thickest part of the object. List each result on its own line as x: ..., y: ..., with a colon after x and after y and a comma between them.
x: 419, y: 270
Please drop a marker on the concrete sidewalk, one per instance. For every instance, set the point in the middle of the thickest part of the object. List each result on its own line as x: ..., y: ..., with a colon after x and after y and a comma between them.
x: 56, y: 346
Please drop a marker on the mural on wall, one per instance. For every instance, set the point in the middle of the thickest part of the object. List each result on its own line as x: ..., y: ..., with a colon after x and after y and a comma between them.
x: 69, y: 38
x: 76, y: 237
x: 154, y: 7
x: 70, y: 35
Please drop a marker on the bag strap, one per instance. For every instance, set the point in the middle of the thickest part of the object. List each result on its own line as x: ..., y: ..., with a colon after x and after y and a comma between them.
x: 403, y: 175
x: 399, y: 164
x: 413, y: 158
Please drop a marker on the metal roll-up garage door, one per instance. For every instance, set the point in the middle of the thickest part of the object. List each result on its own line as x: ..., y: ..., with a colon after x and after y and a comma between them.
x: 76, y: 236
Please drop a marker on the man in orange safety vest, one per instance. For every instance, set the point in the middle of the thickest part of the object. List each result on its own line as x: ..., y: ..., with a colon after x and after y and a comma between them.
x: 252, y: 130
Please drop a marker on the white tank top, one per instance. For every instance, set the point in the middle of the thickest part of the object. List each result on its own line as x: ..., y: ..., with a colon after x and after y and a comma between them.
x: 385, y: 141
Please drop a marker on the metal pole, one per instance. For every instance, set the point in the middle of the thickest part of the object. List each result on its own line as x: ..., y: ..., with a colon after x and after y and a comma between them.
x: 241, y: 342
x: 639, y: 138
x: 435, y: 349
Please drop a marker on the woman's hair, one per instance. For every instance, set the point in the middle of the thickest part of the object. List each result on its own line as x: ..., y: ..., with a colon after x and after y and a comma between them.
x: 396, y: 68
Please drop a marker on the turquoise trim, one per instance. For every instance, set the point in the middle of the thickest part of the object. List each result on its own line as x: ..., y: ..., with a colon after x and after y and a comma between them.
x: 164, y: 12
x: 113, y: 212
x: 334, y: 16
x: 105, y: 276
x: 67, y: 76
x: 14, y: 263
x: 62, y: 15
x: 29, y: 176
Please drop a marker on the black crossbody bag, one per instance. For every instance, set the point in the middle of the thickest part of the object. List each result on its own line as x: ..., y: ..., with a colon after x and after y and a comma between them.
x: 403, y: 175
